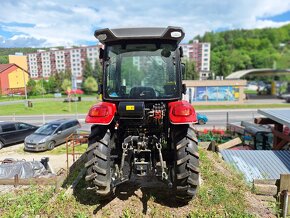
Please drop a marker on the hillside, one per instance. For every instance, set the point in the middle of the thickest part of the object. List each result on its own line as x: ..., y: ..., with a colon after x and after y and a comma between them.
x: 245, y: 49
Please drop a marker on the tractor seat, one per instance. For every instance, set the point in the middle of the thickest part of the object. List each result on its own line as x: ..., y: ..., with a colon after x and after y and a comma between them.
x: 142, y: 92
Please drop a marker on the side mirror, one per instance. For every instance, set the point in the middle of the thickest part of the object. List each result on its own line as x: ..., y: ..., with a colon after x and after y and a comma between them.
x: 101, y: 53
x: 183, y: 89
x: 100, y: 89
x: 59, y: 132
x: 183, y: 69
x: 181, y: 51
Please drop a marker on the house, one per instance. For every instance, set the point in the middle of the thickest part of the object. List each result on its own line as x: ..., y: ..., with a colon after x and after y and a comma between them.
x: 12, y: 79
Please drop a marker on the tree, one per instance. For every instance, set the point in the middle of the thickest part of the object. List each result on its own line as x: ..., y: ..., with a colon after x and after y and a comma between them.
x: 66, y: 84
x: 90, y: 85
x: 35, y: 88
x: 88, y: 69
x: 58, y: 81
x: 30, y: 86
x: 97, y: 72
x: 4, y: 59
x: 51, y: 84
x: 190, y: 71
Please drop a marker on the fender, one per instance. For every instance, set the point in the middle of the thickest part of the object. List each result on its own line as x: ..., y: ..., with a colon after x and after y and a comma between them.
x: 181, y: 112
x: 102, y: 113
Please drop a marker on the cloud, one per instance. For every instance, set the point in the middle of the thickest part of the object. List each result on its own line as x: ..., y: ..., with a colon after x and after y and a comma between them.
x: 70, y: 22
x: 21, y: 41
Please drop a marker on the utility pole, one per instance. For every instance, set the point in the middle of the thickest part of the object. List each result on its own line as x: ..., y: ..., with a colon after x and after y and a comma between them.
x: 25, y: 89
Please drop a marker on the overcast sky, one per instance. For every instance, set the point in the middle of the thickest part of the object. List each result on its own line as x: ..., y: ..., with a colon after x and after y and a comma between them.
x: 35, y: 23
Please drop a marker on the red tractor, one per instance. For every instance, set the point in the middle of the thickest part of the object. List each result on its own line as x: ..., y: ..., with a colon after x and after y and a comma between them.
x: 142, y: 127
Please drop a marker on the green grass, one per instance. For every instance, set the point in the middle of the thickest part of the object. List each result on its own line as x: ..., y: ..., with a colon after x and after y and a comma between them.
x: 57, y: 107
x: 250, y: 92
x: 48, y: 107
x: 222, y: 194
x: 61, y: 149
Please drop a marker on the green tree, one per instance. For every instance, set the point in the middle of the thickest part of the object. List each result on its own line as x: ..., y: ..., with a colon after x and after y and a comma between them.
x: 4, y: 59
x: 88, y: 69
x: 51, y: 84
x: 97, y: 72
x: 39, y: 89
x: 30, y: 86
x: 90, y: 85
x: 66, y: 84
x: 190, y: 71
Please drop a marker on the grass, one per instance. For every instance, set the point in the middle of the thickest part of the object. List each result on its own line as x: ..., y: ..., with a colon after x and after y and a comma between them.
x: 47, y: 107
x: 57, y: 107
x: 61, y: 149
x: 221, y: 195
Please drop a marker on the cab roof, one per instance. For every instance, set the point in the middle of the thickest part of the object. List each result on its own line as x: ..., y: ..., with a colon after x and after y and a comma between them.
x: 111, y: 35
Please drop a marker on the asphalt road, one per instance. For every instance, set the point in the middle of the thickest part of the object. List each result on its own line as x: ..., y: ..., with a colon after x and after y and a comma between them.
x: 217, y: 118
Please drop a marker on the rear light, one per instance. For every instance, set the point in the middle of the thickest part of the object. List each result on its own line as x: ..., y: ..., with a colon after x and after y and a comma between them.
x: 99, y: 111
x: 182, y: 110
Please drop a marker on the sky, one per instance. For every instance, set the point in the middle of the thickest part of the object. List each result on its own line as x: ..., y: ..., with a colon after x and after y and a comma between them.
x: 40, y: 23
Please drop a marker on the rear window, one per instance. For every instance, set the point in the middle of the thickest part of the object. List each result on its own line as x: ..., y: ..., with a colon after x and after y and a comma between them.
x: 8, y: 127
x: 71, y: 124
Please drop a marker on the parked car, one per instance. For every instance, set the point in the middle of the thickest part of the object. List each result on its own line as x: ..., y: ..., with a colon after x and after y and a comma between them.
x: 202, y: 119
x: 50, y: 135
x: 14, y: 132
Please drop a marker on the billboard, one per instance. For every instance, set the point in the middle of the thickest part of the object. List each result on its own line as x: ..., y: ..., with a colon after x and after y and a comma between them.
x: 213, y: 93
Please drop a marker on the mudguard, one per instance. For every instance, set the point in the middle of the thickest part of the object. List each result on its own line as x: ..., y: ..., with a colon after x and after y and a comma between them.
x: 181, y: 112
x: 102, y: 113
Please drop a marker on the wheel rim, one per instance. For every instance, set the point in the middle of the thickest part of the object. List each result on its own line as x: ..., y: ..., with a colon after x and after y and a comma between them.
x: 51, y: 145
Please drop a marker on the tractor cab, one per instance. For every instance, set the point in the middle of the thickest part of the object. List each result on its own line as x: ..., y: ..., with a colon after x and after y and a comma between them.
x: 141, y: 64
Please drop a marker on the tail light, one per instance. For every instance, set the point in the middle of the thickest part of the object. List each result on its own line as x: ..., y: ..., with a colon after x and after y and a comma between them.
x: 99, y: 111
x: 182, y: 110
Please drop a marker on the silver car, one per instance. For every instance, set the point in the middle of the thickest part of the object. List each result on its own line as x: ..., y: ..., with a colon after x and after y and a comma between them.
x: 50, y: 134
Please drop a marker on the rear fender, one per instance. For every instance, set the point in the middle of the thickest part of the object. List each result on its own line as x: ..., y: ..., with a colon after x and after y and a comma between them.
x: 181, y: 112
x: 102, y: 113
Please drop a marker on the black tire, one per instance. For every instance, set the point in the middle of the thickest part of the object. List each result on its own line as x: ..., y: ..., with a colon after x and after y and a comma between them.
x: 98, y: 163
x: 201, y: 122
x: 186, y: 166
x: 51, y: 145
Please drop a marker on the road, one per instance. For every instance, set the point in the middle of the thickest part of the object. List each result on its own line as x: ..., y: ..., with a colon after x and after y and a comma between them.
x: 217, y: 118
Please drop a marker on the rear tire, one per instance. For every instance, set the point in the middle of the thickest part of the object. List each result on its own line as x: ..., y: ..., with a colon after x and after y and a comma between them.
x: 51, y: 145
x: 98, y: 164
x: 186, y: 166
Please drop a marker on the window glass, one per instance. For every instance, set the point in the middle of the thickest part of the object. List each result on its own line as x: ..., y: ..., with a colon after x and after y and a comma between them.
x: 8, y: 128
x: 21, y: 126
x: 141, y: 71
x: 47, y: 129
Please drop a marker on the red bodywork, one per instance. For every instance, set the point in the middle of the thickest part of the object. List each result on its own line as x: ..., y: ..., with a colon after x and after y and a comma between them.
x: 181, y: 112
x: 102, y: 113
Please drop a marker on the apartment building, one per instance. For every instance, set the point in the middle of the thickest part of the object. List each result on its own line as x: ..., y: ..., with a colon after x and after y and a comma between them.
x: 44, y: 63
x: 200, y: 54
